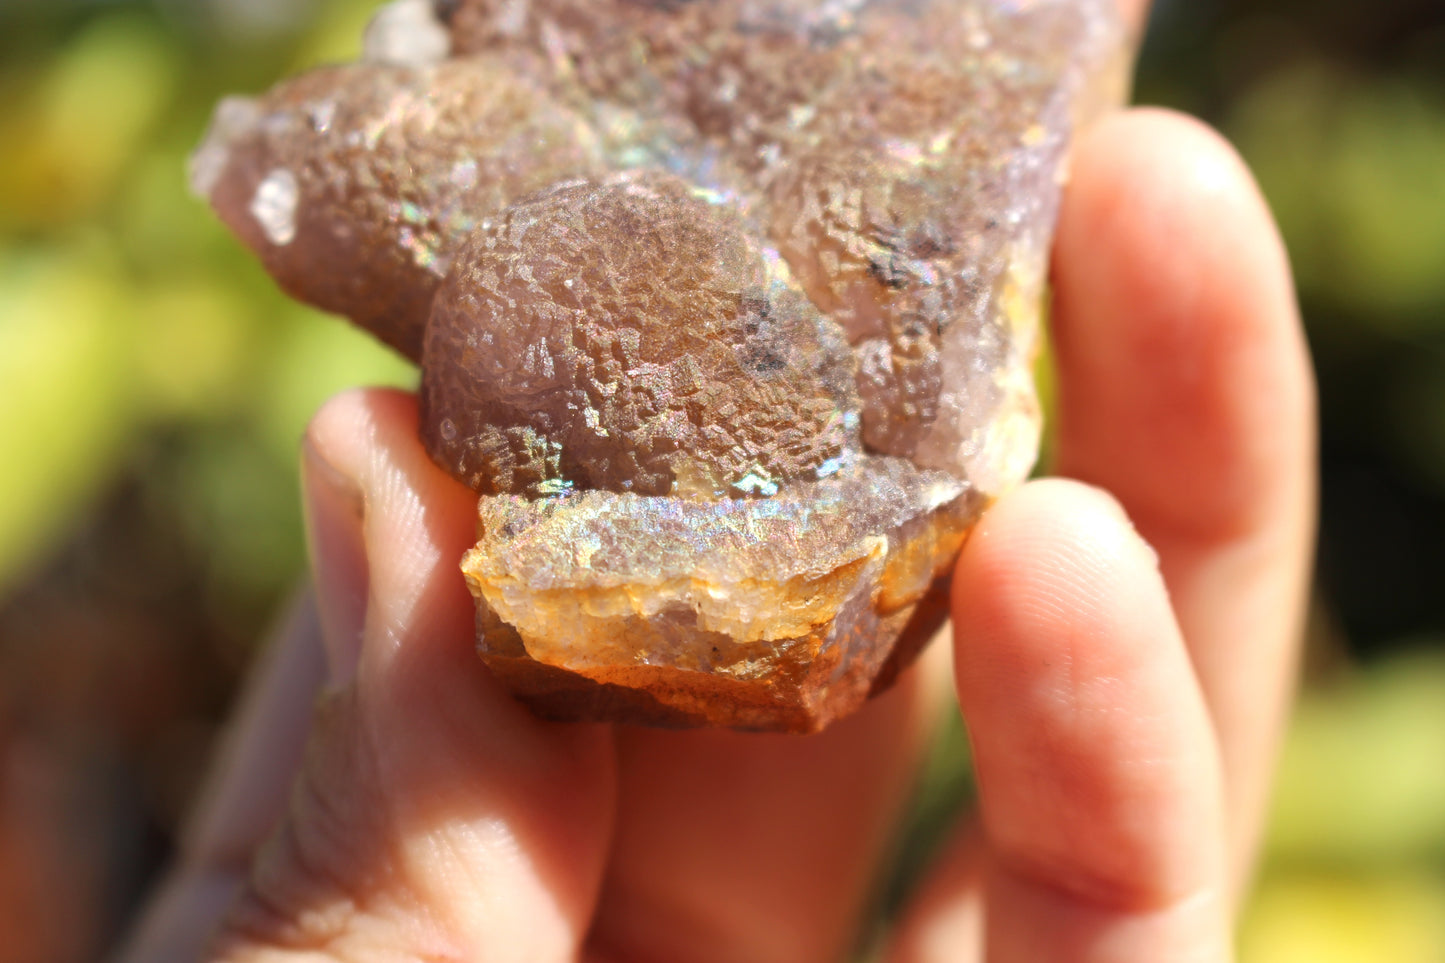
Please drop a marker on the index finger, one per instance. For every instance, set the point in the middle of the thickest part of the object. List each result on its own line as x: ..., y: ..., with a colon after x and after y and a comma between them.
x: 1185, y: 389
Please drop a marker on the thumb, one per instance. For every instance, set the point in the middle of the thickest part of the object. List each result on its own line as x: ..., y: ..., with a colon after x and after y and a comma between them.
x: 433, y: 817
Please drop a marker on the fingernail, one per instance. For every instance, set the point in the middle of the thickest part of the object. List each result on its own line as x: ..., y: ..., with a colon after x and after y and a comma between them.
x: 336, y: 539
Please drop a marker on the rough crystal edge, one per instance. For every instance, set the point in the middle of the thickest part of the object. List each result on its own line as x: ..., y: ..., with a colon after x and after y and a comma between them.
x: 883, y: 609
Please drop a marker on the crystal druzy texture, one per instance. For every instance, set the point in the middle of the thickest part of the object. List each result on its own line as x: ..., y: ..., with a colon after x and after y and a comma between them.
x: 725, y: 308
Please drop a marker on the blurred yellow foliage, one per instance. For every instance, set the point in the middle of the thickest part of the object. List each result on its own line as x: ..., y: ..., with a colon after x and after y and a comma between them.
x: 1363, y: 775
x: 1346, y: 919
x: 85, y: 119
x: 125, y: 308
x: 1356, y: 845
x: 67, y: 408
x: 1354, y: 169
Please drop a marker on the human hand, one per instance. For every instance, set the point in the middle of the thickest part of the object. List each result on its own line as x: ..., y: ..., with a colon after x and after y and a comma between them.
x: 1124, y: 714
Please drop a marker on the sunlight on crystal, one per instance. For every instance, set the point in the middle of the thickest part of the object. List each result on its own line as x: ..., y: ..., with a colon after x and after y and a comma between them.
x: 274, y: 206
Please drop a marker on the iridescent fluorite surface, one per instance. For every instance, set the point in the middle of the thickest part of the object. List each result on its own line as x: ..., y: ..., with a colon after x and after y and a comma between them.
x: 725, y: 308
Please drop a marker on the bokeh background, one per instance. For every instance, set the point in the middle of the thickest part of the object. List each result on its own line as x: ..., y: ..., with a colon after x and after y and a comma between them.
x: 153, y: 386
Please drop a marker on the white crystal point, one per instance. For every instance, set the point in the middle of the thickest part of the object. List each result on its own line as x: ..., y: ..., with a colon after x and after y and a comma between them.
x: 234, y: 118
x: 406, y: 33
x: 274, y: 206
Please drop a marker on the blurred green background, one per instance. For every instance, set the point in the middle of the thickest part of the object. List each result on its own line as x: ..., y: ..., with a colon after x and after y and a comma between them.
x: 153, y: 385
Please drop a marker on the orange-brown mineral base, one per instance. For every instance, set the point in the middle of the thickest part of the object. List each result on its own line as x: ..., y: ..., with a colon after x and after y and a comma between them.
x: 725, y: 308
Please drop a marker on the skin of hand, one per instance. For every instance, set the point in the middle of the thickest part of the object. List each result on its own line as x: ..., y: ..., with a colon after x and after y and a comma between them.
x: 1123, y: 652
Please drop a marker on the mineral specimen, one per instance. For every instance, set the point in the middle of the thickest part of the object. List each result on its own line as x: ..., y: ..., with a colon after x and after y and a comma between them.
x: 725, y: 308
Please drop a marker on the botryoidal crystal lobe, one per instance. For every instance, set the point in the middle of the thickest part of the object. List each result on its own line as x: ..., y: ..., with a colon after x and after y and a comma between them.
x: 725, y: 308
x: 536, y: 361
